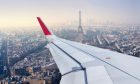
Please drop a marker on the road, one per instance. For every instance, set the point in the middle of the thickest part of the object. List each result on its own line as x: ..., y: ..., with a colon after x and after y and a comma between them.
x: 4, y: 68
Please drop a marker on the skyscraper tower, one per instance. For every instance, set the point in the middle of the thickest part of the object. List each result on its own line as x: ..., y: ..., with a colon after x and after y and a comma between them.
x: 80, y: 29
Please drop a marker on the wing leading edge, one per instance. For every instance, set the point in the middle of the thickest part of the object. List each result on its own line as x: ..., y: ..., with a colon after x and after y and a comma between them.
x: 89, y: 64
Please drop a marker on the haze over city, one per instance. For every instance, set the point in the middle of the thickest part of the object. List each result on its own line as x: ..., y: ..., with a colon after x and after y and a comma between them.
x: 64, y: 41
x: 23, y: 13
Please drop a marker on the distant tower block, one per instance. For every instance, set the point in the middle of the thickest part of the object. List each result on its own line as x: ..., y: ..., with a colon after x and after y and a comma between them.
x: 80, y: 29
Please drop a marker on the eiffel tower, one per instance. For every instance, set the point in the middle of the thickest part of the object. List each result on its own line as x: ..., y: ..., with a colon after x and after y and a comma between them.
x: 80, y: 29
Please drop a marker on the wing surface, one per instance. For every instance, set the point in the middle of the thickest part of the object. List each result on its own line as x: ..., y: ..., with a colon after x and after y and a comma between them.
x: 84, y: 64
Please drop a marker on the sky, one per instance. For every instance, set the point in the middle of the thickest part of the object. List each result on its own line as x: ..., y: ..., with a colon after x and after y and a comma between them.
x: 20, y: 13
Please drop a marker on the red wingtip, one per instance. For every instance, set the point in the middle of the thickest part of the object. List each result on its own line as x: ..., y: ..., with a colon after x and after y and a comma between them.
x: 44, y: 28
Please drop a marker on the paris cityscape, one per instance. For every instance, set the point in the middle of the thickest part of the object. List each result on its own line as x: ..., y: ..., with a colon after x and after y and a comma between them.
x: 69, y: 42
x: 24, y: 59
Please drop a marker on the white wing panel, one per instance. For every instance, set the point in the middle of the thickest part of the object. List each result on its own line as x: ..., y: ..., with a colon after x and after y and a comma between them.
x: 76, y: 54
x: 98, y: 75
x: 64, y: 63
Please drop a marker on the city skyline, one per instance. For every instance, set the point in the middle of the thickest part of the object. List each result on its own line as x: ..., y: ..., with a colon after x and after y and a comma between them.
x: 15, y: 13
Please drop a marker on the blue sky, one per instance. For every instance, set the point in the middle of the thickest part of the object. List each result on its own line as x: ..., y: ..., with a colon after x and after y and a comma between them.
x: 23, y: 12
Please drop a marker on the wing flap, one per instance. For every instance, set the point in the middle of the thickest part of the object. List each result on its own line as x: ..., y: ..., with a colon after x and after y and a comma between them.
x: 74, y: 78
x: 100, y: 77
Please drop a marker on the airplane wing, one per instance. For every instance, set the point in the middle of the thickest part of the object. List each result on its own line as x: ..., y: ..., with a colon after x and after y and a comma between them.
x: 85, y: 64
